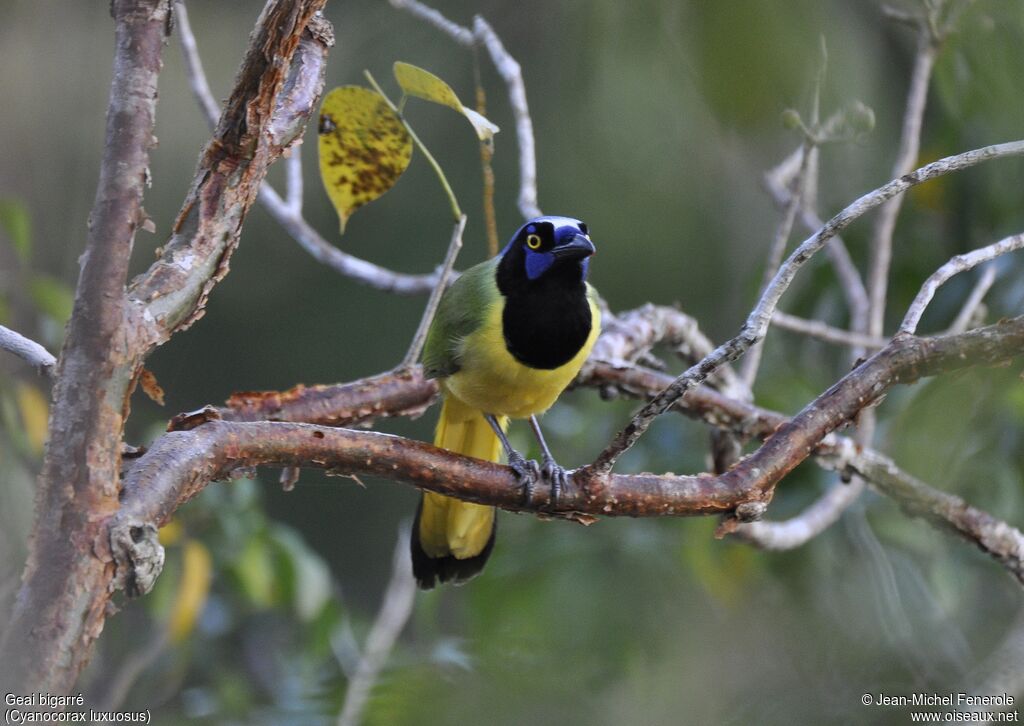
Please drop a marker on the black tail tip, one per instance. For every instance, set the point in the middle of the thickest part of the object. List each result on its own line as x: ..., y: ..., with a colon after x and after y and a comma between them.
x: 431, y: 571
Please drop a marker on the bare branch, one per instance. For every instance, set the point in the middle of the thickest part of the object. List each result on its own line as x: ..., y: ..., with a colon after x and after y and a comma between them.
x: 397, y: 393
x: 846, y: 272
x: 462, y: 36
x: 825, y: 332
x: 796, y: 531
x: 278, y: 88
x: 194, y: 66
x: 906, y: 158
x: 973, y: 301
x: 946, y: 511
x: 394, y: 613
x: 512, y: 74
x: 758, y: 320
x: 752, y: 362
x: 868, y: 319
x: 28, y: 350
x: 905, y: 360
x: 375, y: 276
x: 416, y: 347
x: 293, y: 184
x: 955, y: 266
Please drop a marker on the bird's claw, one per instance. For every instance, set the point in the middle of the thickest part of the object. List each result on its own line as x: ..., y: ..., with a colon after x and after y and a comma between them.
x: 556, y: 477
x: 527, y: 472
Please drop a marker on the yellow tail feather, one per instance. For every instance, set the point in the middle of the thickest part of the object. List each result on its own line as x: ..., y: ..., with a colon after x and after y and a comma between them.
x: 451, y: 527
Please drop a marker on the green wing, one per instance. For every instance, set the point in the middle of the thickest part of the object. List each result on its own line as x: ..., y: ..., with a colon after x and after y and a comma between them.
x: 462, y: 310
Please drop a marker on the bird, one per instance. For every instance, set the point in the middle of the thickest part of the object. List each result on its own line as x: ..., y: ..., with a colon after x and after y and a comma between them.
x: 509, y: 335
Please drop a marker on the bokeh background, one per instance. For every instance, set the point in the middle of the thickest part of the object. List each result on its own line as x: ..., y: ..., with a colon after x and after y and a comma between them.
x: 654, y: 122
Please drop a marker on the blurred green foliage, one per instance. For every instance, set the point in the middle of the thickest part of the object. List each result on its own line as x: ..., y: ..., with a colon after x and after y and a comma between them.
x: 654, y: 121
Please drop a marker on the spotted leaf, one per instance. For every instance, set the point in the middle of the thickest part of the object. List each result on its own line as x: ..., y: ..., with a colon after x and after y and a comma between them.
x: 364, y: 148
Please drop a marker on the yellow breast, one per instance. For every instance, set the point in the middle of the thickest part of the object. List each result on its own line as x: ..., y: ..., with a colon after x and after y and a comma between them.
x: 491, y: 380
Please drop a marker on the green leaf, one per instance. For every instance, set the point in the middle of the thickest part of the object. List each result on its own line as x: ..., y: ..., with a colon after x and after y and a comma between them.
x: 423, y: 84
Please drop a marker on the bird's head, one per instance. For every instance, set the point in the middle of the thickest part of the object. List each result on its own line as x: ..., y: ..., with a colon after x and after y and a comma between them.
x: 546, y: 247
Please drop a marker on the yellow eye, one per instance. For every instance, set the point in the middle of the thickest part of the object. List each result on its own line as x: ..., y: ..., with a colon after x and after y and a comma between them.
x: 533, y: 242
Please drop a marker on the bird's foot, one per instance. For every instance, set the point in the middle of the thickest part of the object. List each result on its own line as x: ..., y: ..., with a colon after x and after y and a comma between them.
x: 556, y: 477
x: 527, y: 472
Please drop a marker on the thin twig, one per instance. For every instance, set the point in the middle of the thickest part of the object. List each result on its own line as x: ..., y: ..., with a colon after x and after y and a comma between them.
x: 394, y: 613
x: 973, y: 301
x: 825, y: 332
x: 462, y: 36
x: 363, y: 271
x: 194, y: 66
x: 28, y: 350
x: 416, y: 347
x: 796, y: 531
x: 512, y: 74
x: 486, y: 168
x: 906, y: 158
x: 133, y: 666
x: 293, y: 180
x: 846, y: 271
x: 759, y: 318
x: 456, y: 211
x: 752, y: 361
x: 955, y: 266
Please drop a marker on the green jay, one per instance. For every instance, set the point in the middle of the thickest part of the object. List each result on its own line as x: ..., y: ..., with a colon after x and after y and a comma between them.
x: 509, y: 335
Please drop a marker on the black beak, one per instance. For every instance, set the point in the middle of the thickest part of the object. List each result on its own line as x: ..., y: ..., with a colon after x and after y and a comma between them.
x: 575, y: 249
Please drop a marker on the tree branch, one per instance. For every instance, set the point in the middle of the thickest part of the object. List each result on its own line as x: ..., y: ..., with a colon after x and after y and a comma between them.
x: 846, y: 272
x: 394, y: 613
x: 759, y: 318
x: 956, y: 265
x: 28, y: 350
x: 278, y: 88
x: 825, y: 332
x: 972, y: 304
x: 59, y: 610
x: 906, y: 157
x: 181, y: 463
x: 510, y: 71
x: 62, y: 604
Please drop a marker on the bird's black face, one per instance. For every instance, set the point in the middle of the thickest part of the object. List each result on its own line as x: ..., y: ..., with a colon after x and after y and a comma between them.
x: 548, y: 244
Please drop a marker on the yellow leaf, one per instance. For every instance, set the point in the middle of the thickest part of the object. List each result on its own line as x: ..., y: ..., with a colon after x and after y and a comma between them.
x: 34, y: 414
x: 423, y: 84
x: 196, y: 574
x: 364, y: 148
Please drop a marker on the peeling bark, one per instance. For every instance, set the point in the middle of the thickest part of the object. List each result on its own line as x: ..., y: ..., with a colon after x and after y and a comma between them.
x: 65, y: 591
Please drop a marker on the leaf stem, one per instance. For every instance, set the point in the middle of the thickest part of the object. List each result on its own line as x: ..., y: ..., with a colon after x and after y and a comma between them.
x: 456, y: 210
